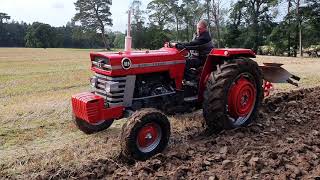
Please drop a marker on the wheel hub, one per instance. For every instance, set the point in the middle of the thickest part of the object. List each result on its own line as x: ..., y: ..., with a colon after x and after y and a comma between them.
x: 242, y: 96
x: 148, y: 137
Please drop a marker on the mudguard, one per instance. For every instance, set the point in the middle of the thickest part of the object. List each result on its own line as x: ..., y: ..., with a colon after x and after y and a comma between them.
x: 272, y: 72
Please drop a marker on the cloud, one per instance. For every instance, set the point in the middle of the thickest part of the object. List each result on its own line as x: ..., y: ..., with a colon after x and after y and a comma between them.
x: 58, y: 5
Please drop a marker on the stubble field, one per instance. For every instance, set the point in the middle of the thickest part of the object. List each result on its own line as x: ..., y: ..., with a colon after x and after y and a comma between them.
x: 39, y: 140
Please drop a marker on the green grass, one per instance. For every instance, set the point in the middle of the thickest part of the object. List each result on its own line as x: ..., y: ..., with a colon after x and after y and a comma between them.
x: 35, y: 90
x: 36, y: 130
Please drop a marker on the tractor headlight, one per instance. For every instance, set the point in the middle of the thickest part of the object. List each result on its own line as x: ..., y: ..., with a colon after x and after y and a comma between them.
x: 102, y: 60
x: 102, y: 63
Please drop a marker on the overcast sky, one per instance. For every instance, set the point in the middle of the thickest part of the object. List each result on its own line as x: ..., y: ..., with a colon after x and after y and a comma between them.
x: 59, y: 12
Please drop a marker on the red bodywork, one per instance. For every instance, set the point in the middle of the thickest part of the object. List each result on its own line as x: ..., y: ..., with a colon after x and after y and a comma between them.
x: 90, y: 107
x: 233, y: 52
x: 143, y: 57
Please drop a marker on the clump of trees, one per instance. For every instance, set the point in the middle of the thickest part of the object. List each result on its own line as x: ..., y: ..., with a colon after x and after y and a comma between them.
x: 251, y: 24
x: 94, y: 15
x: 11, y: 33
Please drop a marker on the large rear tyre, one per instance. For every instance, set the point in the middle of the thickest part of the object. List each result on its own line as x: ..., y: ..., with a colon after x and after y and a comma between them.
x: 88, y: 128
x: 233, y: 95
x: 145, y: 134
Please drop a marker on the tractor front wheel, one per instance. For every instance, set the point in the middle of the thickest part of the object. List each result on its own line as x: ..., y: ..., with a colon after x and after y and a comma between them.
x: 233, y: 94
x: 145, y: 134
x: 88, y: 128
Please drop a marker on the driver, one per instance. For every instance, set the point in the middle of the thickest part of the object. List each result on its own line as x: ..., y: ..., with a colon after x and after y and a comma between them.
x: 202, y: 44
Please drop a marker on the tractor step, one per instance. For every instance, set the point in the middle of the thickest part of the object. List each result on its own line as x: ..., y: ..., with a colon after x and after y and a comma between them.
x: 190, y: 83
x: 191, y: 99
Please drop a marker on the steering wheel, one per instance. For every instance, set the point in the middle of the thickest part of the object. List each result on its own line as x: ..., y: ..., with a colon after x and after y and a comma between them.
x: 182, y: 50
x: 185, y: 50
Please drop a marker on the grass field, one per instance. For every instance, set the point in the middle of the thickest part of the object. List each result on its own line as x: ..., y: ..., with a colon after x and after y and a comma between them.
x: 36, y: 131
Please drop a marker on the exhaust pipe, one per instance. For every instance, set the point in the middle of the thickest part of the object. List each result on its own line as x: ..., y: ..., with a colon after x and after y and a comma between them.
x: 128, y: 39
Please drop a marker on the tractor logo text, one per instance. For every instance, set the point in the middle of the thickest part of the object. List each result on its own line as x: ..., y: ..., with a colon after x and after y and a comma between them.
x: 126, y: 63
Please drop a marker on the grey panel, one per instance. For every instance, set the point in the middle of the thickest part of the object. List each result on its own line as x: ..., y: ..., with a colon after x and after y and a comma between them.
x: 129, y: 90
x: 111, y: 78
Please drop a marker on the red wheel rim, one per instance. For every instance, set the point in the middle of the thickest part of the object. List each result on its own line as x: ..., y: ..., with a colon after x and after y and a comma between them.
x: 149, y: 137
x: 242, y: 98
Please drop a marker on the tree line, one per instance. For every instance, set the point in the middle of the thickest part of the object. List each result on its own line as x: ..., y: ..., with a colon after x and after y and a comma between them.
x: 40, y: 35
x: 251, y: 24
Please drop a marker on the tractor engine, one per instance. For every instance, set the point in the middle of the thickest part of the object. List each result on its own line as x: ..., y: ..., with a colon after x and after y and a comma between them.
x: 127, y: 81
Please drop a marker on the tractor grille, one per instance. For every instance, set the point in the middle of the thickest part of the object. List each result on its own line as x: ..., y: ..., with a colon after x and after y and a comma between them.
x: 110, y: 88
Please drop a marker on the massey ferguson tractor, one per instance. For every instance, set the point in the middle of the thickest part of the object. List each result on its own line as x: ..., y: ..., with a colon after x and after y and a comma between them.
x: 145, y: 86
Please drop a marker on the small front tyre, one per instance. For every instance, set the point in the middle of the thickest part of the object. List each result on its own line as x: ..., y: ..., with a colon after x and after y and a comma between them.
x: 88, y: 128
x: 145, y: 134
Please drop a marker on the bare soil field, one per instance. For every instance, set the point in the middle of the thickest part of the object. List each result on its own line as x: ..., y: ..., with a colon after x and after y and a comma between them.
x: 39, y: 141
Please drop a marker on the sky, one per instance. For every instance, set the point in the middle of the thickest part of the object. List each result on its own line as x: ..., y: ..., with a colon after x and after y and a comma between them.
x: 59, y: 12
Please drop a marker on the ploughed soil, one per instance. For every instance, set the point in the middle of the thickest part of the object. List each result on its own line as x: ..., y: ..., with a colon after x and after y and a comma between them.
x: 284, y: 143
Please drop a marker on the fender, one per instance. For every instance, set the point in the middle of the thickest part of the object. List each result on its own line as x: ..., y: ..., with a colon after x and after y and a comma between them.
x: 232, y: 53
x: 272, y: 72
x: 215, y: 57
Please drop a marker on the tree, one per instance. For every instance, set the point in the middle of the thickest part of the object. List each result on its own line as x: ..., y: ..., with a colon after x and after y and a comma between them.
x: 288, y: 28
x: 279, y: 40
x: 208, y: 10
x: 4, y: 17
x: 216, y: 11
x: 137, y: 26
x: 176, y: 13
x: 311, y: 22
x: 40, y: 35
x: 137, y: 11
x: 252, y: 19
x: 159, y: 13
x: 84, y: 38
x: 156, y: 37
x: 258, y: 12
x: 94, y: 15
x: 119, y: 40
x: 14, y: 34
x: 234, y: 26
x: 193, y: 11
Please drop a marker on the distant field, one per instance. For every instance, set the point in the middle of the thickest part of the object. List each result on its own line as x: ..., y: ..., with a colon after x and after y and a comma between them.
x: 36, y: 131
x: 35, y: 90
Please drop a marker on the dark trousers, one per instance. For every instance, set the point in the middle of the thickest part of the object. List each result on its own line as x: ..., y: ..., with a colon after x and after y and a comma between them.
x: 193, y: 62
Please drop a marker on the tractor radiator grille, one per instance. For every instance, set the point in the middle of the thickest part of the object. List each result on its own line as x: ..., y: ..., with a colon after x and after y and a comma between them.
x: 112, y: 89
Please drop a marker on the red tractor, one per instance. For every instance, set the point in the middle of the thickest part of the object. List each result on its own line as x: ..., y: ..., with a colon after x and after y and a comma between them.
x: 143, y: 86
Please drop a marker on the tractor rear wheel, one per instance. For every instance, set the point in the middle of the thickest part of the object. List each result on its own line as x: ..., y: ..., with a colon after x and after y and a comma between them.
x: 88, y: 128
x: 145, y: 134
x: 233, y: 95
